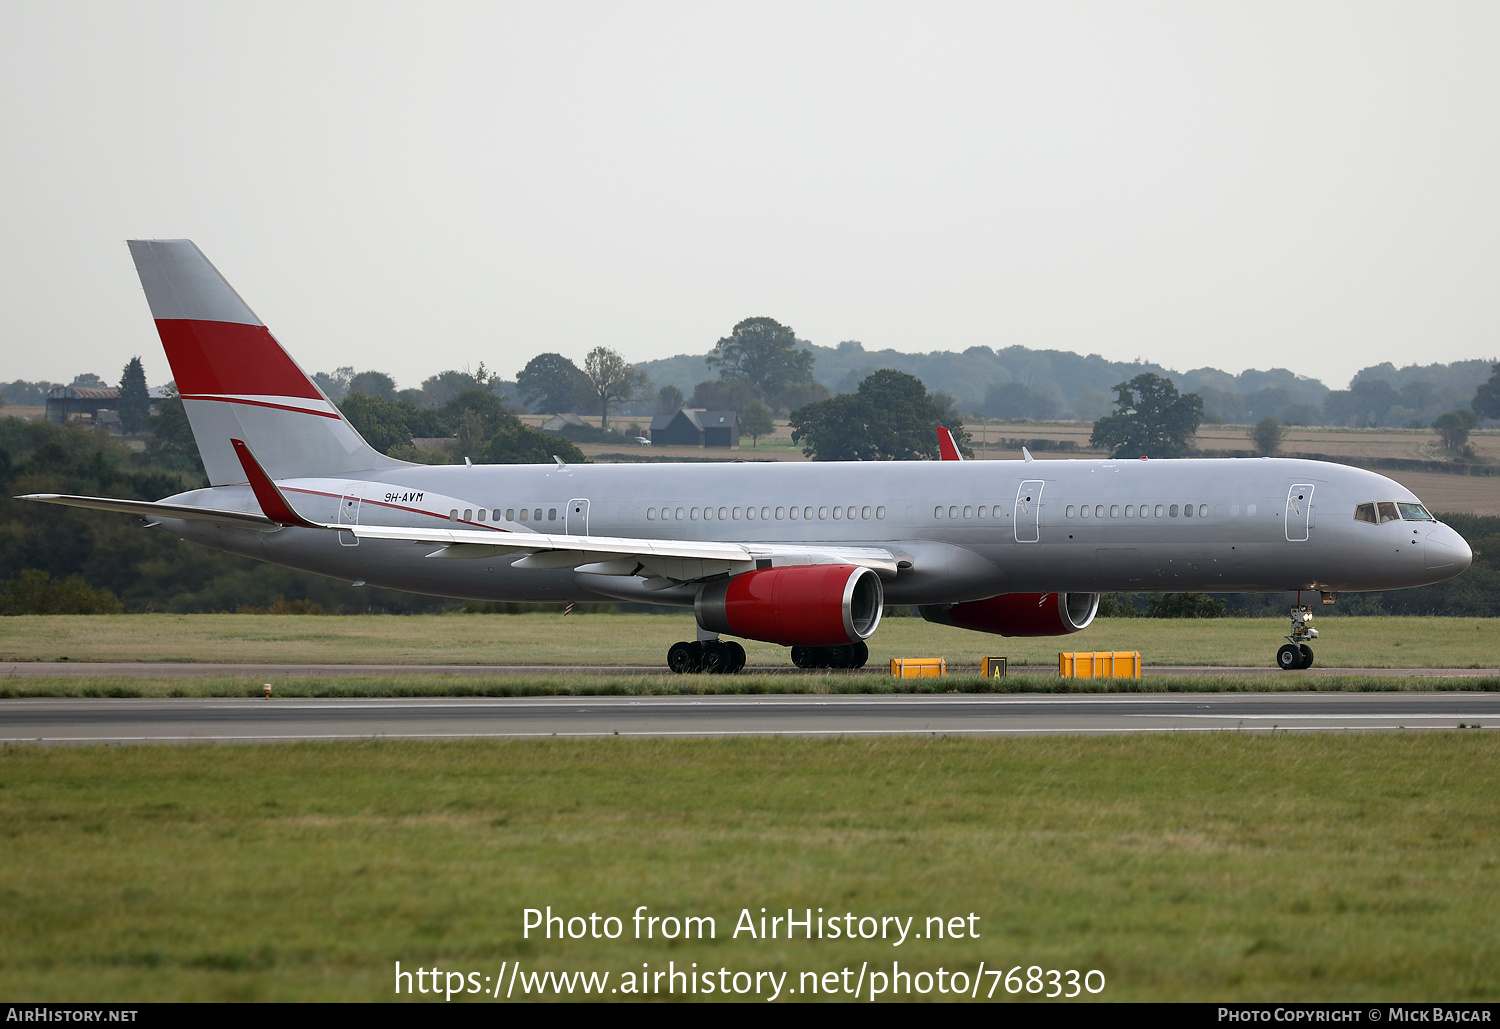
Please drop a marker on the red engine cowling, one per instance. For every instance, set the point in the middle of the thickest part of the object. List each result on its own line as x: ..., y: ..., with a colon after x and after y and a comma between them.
x: 800, y: 605
x: 1020, y: 614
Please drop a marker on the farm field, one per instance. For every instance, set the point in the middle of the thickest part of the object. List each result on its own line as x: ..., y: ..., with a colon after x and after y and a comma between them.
x: 1221, y: 867
x: 639, y: 639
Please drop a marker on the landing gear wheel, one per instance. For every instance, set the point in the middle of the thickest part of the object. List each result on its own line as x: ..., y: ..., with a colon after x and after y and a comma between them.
x: 736, y: 657
x: 805, y: 657
x: 861, y: 654
x: 1288, y: 658
x: 685, y: 657
x: 1307, y: 655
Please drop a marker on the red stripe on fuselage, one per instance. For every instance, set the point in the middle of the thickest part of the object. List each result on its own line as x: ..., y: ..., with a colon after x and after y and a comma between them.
x: 227, y: 357
x: 398, y: 507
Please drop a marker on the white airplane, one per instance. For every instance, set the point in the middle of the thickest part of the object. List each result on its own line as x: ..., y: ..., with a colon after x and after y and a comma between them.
x: 803, y: 555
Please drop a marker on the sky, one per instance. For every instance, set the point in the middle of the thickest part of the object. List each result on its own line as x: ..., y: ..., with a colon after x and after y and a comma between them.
x: 414, y: 187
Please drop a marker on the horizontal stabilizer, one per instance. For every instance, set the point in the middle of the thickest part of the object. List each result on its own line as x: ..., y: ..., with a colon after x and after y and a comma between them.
x: 149, y: 509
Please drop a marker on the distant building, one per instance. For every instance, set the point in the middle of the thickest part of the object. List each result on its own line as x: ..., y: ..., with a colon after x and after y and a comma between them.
x: 696, y: 427
x: 92, y: 405
x: 558, y: 422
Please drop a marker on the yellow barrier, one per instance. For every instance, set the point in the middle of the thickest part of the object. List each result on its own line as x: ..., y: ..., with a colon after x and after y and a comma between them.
x: 1105, y: 664
x: 992, y: 667
x: 919, y: 667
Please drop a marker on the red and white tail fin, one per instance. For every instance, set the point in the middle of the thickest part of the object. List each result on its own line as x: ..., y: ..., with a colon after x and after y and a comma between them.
x: 947, y: 449
x: 235, y: 380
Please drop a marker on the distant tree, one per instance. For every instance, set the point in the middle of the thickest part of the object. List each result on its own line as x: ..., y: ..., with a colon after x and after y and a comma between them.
x: 382, y: 422
x: 336, y: 386
x: 443, y: 386
x: 765, y: 352
x: 1267, y: 434
x: 612, y: 378
x: 723, y: 394
x: 669, y: 400
x: 514, y: 443
x: 34, y: 592
x: 1455, y: 427
x: 1487, y: 400
x: 135, y: 400
x: 172, y: 440
x: 1151, y: 419
x: 373, y: 384
x: 1186, y: 605
x: 1012, y: 400
x: 890, y: 417
x: 551, y: 384
x: 1091, y: 404
x: 88, y: 380
x: 755, y: 422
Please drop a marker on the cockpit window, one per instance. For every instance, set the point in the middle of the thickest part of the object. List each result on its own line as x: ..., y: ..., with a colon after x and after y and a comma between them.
x: 1415, y: 512
x: 1365, y: 513
x: 1387, y: 512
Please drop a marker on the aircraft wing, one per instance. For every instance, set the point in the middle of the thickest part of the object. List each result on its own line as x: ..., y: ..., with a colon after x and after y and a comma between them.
x: 151, y: 509
x: 675, y: 560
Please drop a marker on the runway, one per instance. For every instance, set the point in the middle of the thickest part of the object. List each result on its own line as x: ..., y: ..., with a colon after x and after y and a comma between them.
x: 77, y: 720
x: 261, y: 672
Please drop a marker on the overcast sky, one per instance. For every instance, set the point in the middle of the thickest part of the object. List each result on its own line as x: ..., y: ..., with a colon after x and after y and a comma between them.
x: 413, y: 187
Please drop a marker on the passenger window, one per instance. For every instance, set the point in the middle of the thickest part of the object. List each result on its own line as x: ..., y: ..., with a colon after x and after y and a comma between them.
x: 780, y: 513
x: 1365, y: 513
x: 1129, y: 511
x: 453, y: 515
x: 794, y: 512
x: 879, y: 512
x: 980, y: 512
x: 750, y: 513
x: 482, y: 513
x: 736, y: 514
x: 765, y: 513
x: 1388, y: 512
x: 693, y: 514
x: 822, y: 512
x: 968, y: 512
x: 468, y: 514
x: 525, y: 514
x: 723, y: 513
x: 497, y: 515
x: 1114, y: 510
x: 807, y: 513
x: 937, y: 512
x: 836, y: 513
x: 1203, y: 511
x: 510, y: 514
x: 1083, y: 512
x: 551, y: 514
x: 953, y: 511
x: 864, y: 514
x: 1173, y: 511
x: 1070, y: 511
x: 1187, y: 511
x: 650, y: 514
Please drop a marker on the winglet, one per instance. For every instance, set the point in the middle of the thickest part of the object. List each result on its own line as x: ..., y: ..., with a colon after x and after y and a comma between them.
x: 1027, y: 454
x: 272, y: 503
x: 947, y: 449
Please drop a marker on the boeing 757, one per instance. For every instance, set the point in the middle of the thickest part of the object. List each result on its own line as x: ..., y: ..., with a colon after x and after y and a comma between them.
x: 802, y: 555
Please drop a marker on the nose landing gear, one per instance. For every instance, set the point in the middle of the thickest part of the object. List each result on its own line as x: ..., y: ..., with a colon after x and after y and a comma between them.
x: 1297, y: 654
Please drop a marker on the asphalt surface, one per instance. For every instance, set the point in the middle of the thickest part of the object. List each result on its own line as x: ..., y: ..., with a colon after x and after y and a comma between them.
x: 173, y: 669
x: 79, y: 720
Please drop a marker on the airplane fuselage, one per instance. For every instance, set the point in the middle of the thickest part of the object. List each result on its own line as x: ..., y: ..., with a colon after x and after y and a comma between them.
x: 961, y: 530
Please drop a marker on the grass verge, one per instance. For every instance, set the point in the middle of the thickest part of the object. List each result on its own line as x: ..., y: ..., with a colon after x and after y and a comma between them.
x: 1213, y: 867
x: 713, y: 685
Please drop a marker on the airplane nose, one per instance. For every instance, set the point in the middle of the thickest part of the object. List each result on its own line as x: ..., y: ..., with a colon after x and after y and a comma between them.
x: 1448, y: 552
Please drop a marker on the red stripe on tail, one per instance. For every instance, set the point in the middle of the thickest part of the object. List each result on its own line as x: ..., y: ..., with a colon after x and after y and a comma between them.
x: 227, y: 357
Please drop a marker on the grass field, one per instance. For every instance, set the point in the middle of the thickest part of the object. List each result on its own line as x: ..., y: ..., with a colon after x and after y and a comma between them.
x: 551, y: 639
x: 1218, y: 867
x: 748, y: 683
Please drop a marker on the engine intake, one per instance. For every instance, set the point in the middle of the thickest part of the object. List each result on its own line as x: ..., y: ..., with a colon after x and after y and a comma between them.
x: 800, y: 605
x: 1019, y: 614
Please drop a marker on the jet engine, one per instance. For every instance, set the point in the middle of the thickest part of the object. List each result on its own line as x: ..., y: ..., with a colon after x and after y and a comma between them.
x: 1019, y: 614
x: 799, y: 605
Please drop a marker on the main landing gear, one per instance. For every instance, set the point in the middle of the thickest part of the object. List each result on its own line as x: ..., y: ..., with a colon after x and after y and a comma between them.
x: 852, y: 655
x: 1297, y: 654
x: 712, y: 656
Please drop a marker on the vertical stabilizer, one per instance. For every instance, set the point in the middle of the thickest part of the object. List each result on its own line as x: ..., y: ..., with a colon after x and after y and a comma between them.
x: 235, y: 381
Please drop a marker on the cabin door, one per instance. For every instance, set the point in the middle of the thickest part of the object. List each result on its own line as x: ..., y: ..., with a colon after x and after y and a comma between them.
x: 576, y: 521
x: 1028, y: 519
x: 1298, y: 512
x: 349, y: 513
